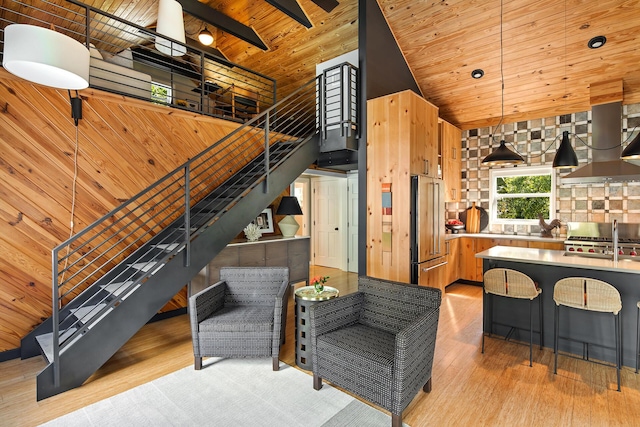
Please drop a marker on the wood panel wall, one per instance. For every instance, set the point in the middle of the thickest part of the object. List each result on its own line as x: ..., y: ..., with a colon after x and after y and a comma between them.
x: 124, y: 145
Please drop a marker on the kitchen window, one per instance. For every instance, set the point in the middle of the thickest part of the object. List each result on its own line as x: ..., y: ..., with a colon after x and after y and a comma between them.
x: 160, y: 93
x: 520, y: 195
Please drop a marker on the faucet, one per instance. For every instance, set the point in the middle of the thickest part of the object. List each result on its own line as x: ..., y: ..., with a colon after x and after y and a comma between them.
x: 614, y: 233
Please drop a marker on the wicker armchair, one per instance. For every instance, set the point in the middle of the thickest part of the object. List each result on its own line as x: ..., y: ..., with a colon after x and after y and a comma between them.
x: 243, y: 315
x: 377, y: 343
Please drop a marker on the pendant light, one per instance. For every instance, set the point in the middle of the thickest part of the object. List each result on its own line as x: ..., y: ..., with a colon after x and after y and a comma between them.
x: 46, y: 57
x: 205, y: 37
x: 502, y: 155
x: 565, y: 156
x: 171, y: 24
x: 632, y: 151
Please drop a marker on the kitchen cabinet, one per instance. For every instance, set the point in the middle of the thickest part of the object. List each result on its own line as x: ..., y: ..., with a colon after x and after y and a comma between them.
x: 402, y: 140
x: 452, y: 269
x: 450, y: 138
x: 470, y: 267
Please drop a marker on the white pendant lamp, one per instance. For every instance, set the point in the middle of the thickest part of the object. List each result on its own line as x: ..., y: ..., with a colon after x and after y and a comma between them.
x: 171, y: 24
x: 46, y: 57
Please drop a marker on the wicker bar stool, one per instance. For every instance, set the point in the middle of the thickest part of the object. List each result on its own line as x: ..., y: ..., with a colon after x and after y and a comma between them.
x: 509, y: 283
x: 587, y: 294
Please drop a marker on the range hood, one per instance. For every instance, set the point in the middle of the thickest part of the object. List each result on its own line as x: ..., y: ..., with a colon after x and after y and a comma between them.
x: 606, y: 122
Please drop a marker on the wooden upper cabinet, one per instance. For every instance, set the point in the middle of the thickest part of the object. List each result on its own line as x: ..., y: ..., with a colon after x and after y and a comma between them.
x: 450, y: 138
x: 402, y: 140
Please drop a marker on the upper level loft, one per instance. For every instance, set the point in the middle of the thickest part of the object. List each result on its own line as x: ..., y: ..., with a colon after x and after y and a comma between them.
x: 137, y: 62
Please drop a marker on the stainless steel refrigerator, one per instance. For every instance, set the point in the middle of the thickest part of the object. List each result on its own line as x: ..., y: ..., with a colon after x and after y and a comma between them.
x: 427, y: 226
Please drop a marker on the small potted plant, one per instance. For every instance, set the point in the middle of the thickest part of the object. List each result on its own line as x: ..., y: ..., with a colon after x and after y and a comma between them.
x: 318, y: 283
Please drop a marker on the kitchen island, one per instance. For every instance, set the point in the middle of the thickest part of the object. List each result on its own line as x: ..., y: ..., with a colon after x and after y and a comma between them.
x: 546, y: 267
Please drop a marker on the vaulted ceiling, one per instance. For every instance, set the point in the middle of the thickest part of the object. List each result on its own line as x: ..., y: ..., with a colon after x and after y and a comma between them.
x: 547, y: 68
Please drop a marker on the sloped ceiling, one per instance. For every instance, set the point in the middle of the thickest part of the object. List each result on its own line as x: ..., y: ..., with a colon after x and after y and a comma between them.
x: 547, y: 66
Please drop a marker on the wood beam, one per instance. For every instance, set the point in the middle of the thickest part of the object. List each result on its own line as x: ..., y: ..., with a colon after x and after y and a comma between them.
x: 327, y: 5
x: 292, y: 9
x: 222, y: 21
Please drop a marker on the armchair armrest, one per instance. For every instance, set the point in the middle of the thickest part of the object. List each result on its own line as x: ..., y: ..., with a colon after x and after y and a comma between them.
x: 205, y: 302
x: 414, y: 349
x: 280, y: 315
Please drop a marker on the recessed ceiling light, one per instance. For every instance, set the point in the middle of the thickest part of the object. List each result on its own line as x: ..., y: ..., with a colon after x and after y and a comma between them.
x: 596, y: 42
x: 476, y: 74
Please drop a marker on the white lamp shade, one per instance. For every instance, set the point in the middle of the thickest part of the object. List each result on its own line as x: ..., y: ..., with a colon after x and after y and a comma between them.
x: 46, y: 57
x: 171, y: 24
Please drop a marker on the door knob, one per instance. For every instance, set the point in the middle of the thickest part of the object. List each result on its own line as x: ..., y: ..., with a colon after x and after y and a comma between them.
x: 336, y: 228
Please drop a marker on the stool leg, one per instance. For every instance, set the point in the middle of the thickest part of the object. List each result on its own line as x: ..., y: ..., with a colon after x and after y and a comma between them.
x: 638, y: 340
x: 530, y: 333
x: 541, y: 321
x: 556, y: 328
x: 484, y: 311
x: 618, y: 349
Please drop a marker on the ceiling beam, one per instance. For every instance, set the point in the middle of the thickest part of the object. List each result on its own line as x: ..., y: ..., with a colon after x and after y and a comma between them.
x: 327, y: 5
x: 222, y: 22
x: 292, y: 9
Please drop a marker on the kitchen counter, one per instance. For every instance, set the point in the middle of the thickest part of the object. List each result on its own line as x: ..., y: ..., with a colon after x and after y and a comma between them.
x: 558, y: 259
x: 546, y: 267
x: 527, y: 237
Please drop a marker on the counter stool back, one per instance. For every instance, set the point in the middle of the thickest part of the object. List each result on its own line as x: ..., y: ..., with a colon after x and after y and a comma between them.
x: 592, y: 295
x: 509, y: 283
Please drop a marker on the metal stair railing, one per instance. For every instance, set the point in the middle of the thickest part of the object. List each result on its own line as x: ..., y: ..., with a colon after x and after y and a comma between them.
x: 93, y: 271
x: 201, y: 80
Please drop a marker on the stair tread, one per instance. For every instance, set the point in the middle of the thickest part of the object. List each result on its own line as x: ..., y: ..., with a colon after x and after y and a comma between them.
x: 167, y: 246
x: 119, y: 287
x: 147, y: 266
x: 87, y: 312
x: 46, y: 342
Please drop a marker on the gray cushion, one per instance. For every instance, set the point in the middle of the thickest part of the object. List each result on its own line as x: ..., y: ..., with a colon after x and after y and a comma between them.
x: 371, y: 351
x: 239, y: 319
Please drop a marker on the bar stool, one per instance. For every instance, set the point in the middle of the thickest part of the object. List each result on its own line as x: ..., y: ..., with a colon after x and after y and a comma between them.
x: 509, y: 283
x: 587, y: 294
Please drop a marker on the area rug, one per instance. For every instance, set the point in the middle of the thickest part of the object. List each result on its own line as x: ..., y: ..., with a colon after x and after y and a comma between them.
x: 228, y: 392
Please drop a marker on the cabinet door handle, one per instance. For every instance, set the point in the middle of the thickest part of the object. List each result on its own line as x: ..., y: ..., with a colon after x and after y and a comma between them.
x: 426, y: 167
x: 454, y: 193
x: 454, y: 153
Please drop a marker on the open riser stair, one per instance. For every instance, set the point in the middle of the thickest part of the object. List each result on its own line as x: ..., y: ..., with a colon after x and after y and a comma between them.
x: 114, y: 276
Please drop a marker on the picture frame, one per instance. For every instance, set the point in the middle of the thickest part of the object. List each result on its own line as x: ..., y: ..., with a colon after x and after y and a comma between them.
x: 265, y: 221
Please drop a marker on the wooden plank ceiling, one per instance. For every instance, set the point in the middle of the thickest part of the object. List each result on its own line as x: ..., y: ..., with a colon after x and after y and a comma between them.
x: 547, y: 65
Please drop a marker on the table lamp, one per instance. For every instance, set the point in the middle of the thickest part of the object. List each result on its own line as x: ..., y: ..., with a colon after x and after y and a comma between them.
x: 289, y: 206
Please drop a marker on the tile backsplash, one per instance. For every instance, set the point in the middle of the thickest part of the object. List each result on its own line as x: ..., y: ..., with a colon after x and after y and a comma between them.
x: 602, y: 202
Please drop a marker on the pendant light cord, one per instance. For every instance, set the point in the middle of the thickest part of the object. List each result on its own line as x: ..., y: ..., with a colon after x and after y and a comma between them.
x: 501, y: 80
x: 73, y: 205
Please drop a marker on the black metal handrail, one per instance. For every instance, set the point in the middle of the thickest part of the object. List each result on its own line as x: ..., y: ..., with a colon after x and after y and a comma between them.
x: 125, y: 61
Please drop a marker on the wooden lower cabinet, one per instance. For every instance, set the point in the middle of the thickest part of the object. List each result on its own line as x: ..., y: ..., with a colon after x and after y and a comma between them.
x: 452, y: 269
x: 470, y: 267
x: 294, y: 253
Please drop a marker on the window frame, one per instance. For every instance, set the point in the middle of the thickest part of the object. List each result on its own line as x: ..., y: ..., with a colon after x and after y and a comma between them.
x: 494, y: 174
x: 169, y: 98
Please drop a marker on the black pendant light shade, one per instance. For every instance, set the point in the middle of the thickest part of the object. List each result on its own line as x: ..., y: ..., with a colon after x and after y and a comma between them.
x: 632, y: 151
x: 503, y: 156
x: 565, y: 156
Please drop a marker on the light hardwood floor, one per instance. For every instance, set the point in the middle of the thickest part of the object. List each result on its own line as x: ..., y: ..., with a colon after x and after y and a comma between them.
x: 497, y: 388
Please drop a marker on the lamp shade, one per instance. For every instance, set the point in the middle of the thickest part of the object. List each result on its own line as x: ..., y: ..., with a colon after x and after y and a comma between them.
x: 502, y: 156
x: 171, y: 24
x: 46, y: 57
x: 289, y: 206
x: 205, y: 37
x: 565, y: 156
x: 632, y: 151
